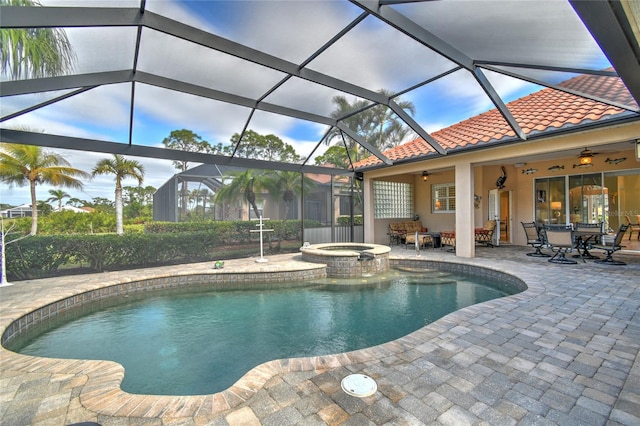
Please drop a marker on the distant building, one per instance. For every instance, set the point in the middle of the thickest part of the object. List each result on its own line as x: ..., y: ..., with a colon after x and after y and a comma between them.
x: 23, y: 210
x: 75, y: 209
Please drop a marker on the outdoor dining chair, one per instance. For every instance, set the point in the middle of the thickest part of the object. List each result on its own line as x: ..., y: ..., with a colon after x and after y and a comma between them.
x: 584, y: 240
x: 613, y: 247
x: 560, y: 240
x: 633, y: 227
x: 534, y: 239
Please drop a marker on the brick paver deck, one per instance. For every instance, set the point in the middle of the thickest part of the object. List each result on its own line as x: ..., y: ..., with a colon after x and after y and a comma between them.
x: 563, y: 352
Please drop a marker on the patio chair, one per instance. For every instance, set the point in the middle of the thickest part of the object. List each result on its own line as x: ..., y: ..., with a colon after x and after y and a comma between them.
x: 560, y: 240
x: 448, y: 238
x: 633, y: 227
x: 534, y: 239
x: 485, y: 235
x: 585, y: 243
x: 613, y: 247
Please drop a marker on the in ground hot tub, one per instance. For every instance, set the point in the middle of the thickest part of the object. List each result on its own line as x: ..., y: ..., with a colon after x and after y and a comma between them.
x: 347, y: 260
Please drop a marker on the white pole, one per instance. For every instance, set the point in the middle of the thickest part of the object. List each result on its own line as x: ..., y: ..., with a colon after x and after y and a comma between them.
x: 262, y: 259
x: 261, y: 226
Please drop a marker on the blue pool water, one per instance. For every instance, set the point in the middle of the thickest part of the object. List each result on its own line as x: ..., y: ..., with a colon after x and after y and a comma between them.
x: 202, y: 342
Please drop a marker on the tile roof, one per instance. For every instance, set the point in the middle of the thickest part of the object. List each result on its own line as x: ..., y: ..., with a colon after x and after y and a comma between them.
x: 545, y: 110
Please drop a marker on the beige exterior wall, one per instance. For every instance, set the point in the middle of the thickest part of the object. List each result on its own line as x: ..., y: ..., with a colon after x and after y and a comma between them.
x: 539, y: 155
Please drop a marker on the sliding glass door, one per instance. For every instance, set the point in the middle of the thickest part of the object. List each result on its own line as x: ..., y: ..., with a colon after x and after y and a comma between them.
x: 607, y: 198
x: 550, y: 201
x: 588, y: 202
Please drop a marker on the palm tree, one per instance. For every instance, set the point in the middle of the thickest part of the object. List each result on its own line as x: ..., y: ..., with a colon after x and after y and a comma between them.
x: 286, y: 185
x: 378, y: 124
x: 242, y: 183
x: 30, y: 164
x: 121, y: 168
x: 76, y: 202
x: 57, y: 195
x: 34, y: 52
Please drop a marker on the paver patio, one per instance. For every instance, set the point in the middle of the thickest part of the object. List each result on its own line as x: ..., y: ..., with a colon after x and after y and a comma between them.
x: 563, y: 352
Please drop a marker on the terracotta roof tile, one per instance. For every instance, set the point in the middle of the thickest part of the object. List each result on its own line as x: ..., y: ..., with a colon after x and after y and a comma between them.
x: 538, y: 112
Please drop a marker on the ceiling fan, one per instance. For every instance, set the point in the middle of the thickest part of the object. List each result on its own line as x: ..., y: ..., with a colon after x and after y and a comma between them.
x: 586, y: 156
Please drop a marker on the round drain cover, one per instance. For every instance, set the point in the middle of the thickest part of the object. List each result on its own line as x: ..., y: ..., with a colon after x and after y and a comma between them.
x: 359, y: 385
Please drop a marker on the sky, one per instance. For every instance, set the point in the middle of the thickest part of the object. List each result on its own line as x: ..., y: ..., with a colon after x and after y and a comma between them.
x: 371, y: 55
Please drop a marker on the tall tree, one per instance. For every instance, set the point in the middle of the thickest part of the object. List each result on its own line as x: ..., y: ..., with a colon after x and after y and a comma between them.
x: 378, y: 125
x: 34, y: 52
x: 185, y: 140
x: 121, y: 168
x: 254, y: 145
x: 76, y: 202
x: 57, y: 195
x: 137, y: 201
x: 264, y: 147
x: 286, y: 185
x: 241, y: 183
x: 31, y: 165
x: 337, y: 156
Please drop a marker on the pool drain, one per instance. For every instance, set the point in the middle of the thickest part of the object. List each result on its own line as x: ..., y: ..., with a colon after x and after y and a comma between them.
x: 359, y: 385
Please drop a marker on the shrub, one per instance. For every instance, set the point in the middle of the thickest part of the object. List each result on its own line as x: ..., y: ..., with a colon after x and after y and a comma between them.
x: 346, y: 220
x: 41, y: 256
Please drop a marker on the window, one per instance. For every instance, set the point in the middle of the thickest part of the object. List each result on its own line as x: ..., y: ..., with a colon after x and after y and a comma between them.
x: 392, y: 200
x: 550, y: 201
x: 443, y: 198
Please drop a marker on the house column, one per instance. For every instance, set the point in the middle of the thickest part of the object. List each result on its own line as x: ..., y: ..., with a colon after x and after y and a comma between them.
x: 465, y: 239
x: 367, y: 210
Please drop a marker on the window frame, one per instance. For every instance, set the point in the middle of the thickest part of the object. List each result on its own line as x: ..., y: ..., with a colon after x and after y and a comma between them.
x: 449, y: 199
x: 393, y: 200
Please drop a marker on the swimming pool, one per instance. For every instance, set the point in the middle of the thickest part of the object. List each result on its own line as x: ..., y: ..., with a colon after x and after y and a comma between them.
x: 202, y: 342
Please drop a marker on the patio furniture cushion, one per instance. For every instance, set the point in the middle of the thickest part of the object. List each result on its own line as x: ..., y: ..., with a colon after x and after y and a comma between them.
x: 485, y: 235
x: 422, y: 238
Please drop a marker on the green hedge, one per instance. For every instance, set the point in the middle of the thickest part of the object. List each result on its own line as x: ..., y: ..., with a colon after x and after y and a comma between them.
x: 163, y: 243
x: 234, y: 231
x: 346, y: 220
x: 68, y: 222
x: 41, y: 256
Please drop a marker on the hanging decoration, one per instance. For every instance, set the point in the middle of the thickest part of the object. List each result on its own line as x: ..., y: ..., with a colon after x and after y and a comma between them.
x: 615, y: 160
x: 502, y: 179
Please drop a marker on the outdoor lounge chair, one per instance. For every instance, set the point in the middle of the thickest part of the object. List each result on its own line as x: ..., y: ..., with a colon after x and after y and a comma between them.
x: 485, y: 235
x: 448, y: 238
x: 534, y: 239
x: 560, y: 240
x: 612, y: 247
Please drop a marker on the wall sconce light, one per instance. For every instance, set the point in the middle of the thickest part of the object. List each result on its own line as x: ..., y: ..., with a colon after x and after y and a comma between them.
x: 585, y: 156
x: 637, y: 149
x: 425, y: 176
x: 556, y: 205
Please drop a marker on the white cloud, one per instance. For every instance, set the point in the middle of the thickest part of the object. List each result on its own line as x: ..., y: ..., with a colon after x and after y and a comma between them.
x: 371, y: 55
x: 157, y: 172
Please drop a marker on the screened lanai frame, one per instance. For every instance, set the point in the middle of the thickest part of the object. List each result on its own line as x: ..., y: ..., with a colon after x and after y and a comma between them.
x: 275, y: 66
